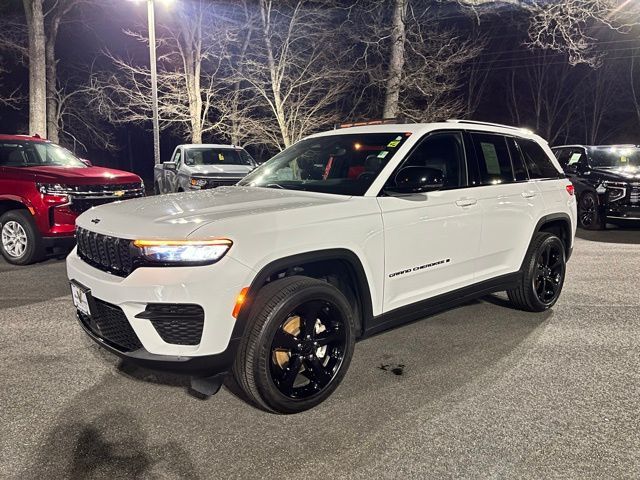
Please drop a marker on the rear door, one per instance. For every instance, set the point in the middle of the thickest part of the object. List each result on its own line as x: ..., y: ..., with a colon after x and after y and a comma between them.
x: 431, y: 238
x: 509, y: 203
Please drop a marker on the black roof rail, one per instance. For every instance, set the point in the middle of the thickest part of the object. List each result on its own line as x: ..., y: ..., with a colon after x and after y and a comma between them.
x: 477, y: 122
x: 379, y: 121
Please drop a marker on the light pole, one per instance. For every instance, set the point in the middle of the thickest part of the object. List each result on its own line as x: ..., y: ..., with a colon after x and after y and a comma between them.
x: 154, y: 79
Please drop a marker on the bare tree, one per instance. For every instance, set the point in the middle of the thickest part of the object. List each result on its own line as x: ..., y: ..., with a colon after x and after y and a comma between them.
x: 294, y: 75
x: 34, y: 11
x: 188, y: 64
x: 566, y: 26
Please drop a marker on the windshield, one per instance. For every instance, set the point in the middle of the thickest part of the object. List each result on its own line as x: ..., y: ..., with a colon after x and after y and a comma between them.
x: 341, y: 164
x: 216, y: 156
x: 36, y: 154
x: 615, y: 157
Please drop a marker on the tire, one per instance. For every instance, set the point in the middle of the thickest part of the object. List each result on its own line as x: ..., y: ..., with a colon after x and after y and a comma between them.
x: 290, y: 313
x: 18, y: 225
x: 589, y: 215
x: 544, y: 270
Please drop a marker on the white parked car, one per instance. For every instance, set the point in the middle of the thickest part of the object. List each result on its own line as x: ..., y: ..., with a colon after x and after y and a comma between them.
x: 344, y: 234
x: 202, y: 166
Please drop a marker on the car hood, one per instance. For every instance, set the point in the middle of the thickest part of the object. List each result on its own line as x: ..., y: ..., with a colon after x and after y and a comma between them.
x: 80, y: 175
x: 619, y: 173
x: 176, y: 216
x: 220, y: 170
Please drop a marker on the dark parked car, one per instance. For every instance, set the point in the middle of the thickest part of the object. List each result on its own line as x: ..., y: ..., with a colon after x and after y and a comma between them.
x: 607, y: 182
x: 43, y: 188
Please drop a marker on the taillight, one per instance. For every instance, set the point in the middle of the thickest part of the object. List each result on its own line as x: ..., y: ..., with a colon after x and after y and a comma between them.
x: 571, y: 189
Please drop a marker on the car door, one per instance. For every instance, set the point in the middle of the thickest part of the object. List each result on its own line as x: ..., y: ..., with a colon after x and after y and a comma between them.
x: 171, y: 176
x: 431, y: 238
x: 508, y: 202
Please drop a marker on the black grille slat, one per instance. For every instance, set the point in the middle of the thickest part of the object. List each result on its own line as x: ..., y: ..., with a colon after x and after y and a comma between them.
x: 109, y: 254
x: 176, y: 323
x: 109, y: 323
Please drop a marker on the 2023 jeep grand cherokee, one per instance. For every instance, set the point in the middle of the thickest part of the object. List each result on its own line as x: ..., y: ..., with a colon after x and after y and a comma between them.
x: 43, y: 188
x: 342, y: 235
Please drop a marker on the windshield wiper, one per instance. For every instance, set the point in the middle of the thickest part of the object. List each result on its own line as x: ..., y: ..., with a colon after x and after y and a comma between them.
x: 274, y: 185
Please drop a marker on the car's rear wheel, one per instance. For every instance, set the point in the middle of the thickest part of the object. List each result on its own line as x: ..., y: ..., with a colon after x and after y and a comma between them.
x: 20, y: 241
x: 589, y: 215
x: 299, y: 346
x: 543, y: 274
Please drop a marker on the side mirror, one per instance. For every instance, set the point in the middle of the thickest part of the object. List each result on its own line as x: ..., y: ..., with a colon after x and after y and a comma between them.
x: 417, y: 180
x: 170, y: 166
x: 86, y: 162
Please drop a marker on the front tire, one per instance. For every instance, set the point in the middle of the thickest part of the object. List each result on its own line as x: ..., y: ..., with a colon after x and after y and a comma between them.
x: 589, y: 215
x: 543, y: 274
x: 299, y: 345
x: 20, y: 241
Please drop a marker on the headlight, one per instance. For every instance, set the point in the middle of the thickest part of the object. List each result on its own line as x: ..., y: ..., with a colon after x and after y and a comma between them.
x: 615, y: 190
x: 183, y: 252
x: 53, y: 193
x: 198, y: 182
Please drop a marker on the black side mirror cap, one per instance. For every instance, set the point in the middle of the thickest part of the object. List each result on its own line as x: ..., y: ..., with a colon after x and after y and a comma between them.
x: 417, y: 180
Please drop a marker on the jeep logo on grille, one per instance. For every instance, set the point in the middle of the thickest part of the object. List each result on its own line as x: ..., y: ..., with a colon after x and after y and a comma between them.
x: 95, y: 220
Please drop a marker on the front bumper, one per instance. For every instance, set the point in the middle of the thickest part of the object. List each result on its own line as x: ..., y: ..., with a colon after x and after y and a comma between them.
x: 213, y: 287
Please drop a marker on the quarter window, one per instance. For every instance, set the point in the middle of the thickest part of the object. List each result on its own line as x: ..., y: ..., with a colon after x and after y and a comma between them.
x: 493, y: 159
x: 538, y: 163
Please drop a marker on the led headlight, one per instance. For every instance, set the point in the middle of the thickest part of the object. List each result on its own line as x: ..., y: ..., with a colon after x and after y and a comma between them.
x: 183, y: 252
x: 615, y: 190
x: 198, y: 182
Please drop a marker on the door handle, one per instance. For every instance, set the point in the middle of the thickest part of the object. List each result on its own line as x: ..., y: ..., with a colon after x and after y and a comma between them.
x: 529, y: 194
x: 466, y: 202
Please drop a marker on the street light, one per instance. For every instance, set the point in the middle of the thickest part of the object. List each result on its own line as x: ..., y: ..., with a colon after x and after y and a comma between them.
x: 154, y: 77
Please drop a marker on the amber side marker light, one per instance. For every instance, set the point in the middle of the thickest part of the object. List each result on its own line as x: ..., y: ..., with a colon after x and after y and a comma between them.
x: 240, y: 299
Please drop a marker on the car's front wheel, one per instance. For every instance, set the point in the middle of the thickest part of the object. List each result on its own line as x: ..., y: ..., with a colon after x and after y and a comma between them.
x: 543, y: 274
x: 20, y: 241
x: 299, y: 345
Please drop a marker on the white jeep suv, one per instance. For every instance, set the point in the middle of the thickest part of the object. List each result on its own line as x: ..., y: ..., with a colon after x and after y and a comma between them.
x: 344, y: 234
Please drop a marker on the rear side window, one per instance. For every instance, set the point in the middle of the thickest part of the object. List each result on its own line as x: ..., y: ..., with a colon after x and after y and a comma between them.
x: 493, y: 158
x: 538, y: 163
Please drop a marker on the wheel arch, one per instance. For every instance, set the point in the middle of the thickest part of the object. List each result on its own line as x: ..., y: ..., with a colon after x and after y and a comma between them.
x: 316, y: 264
x: 560, y: 225
x: 12, y: 203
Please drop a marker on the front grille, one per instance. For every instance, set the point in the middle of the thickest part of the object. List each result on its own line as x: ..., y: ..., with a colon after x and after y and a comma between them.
x: 109, y: 323
x: 84, y: 197
x: 221, y: 182
x: 109, y: 254
x: 176, y: 323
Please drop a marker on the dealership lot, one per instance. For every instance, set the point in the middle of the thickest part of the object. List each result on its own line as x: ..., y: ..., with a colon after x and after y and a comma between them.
x: 478, y: 391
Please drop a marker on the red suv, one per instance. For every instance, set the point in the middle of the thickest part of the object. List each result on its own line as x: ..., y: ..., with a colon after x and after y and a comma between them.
x: 43, y: 188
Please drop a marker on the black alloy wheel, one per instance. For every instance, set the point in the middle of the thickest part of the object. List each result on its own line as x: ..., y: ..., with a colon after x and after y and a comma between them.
x: 542, y: 275
x: 588, y: 212
x: 308, y: 349
x: 298, y: 346
x: 550, y: 272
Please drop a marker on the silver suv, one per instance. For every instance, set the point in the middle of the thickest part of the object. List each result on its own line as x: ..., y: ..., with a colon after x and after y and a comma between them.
x: 201, y: 166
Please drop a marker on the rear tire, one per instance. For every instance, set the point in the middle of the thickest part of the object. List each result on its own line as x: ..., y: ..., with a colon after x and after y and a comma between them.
x: 299, y: 345
x: 20, y: 241
x: 589, y: 214
x: 544, y: 269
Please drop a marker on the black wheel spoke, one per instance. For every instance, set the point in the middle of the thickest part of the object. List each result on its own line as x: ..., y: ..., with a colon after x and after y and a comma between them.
x: 284, y: 341
x: 290, y: 373
x: 309, y: 315
x: 327, y: 337
x: 317, y: 371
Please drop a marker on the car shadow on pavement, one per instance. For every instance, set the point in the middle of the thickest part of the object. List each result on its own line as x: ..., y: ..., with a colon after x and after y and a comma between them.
x: 611, y: 235
x: 28, y: 284
x: 110, y: 446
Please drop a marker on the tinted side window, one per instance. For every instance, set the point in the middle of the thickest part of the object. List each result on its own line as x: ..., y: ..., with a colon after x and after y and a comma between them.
x: 519, y: 169
x: 493, y: 158
x: 445, y: 152
x: 538, y: 164
x: 562, y: 154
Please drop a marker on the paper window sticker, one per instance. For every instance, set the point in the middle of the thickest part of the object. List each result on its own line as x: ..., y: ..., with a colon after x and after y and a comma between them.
x: 491, y: 158
x: 221, y: 157
x: 383, y: 154
x: 624, y: 159
x: 393, y: 144
x: 575, y: 158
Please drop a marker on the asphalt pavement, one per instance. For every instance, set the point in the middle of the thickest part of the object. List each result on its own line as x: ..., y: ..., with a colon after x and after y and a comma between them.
x: 479, y: 391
